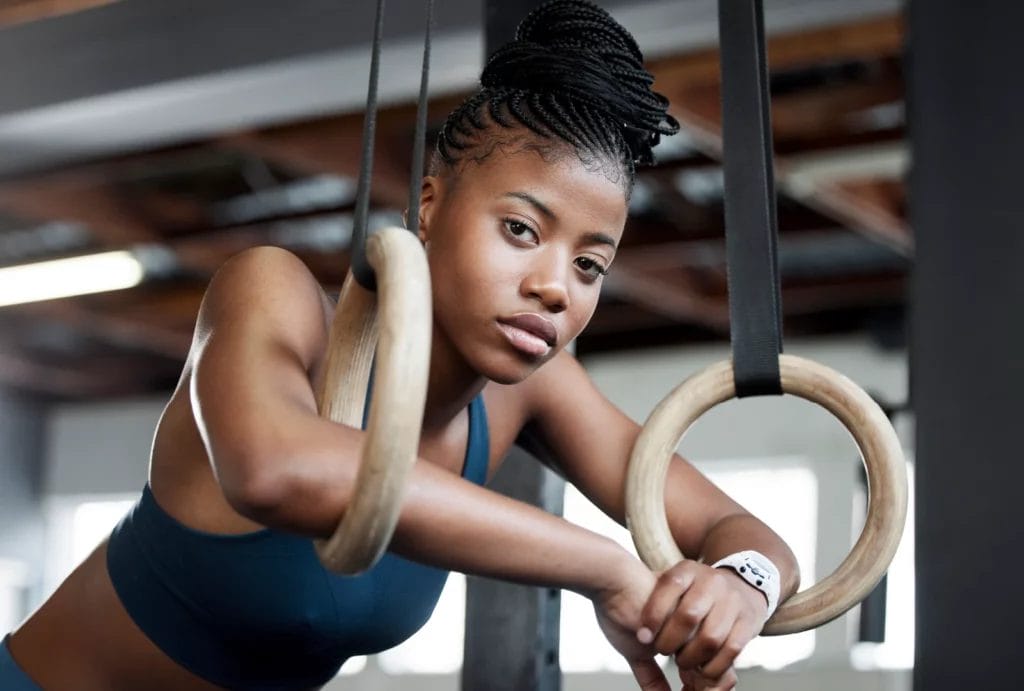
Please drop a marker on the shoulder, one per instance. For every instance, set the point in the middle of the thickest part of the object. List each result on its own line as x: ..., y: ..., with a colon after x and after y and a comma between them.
x: 558, y: 388
x: 261, y: 270
x: 558, y: 382
x: 265, y: 290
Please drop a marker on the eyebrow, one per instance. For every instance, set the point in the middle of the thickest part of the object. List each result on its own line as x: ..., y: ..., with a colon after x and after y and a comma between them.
x: 600, y: 239
x: 534, y: 202
x: 592, y: 238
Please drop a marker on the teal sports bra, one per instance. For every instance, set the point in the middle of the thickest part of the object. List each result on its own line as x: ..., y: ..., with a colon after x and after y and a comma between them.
x: 258, y: 611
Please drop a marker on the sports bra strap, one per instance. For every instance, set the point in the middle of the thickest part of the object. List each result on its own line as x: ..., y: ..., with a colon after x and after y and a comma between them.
x: 478, y: 446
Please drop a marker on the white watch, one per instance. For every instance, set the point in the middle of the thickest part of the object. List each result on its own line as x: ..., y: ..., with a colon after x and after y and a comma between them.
x: 757, y: 570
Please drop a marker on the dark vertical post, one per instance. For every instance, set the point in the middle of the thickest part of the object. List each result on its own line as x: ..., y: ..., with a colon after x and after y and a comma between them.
x: 512, y: 630
x: 966, y: 106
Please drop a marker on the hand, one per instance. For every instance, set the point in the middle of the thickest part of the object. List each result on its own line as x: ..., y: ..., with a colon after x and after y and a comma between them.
x: 618, y: 612
x: 704, y: 617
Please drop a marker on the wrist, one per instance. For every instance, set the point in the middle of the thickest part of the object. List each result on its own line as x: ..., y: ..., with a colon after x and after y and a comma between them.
x: 618, y: 571
x: 758, y: 600
x: 758, y: 573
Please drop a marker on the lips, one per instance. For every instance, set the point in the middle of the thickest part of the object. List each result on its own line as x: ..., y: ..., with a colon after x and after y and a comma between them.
x: 534, y: 324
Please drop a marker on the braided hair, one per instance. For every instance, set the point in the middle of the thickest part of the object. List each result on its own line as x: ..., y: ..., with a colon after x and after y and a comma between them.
x: 572, y: 75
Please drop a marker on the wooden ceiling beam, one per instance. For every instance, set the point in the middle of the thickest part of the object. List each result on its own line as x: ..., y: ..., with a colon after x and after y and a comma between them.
x: 692, y: 84
x: 333, y: 144
x: 870, y: 39
x: 24, y: 11
x: 100, y: 208
x: 669, y: 294
x: 871, y: 207
x: 112, y: 328
x: 856, y: 203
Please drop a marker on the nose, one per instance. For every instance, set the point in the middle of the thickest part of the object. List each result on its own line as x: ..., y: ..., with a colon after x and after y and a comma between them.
x: 547, y: 281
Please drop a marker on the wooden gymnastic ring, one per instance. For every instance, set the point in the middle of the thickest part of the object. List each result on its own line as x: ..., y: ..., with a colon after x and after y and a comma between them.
x: 858, y: 574
x: 399, y: 391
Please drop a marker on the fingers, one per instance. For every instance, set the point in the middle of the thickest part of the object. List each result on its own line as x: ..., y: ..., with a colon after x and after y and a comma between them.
x: 710, y: 625
x: 679, y: 609
x: 680, y: 602
x: 649, y: 675
x: 703, y: 617
x: 663, y: 602
x: 695, y: 681
x: 706, y: 644
x: 727, y: 653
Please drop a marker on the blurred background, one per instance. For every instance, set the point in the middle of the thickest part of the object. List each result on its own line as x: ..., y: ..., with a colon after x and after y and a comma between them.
x: 163, y: 137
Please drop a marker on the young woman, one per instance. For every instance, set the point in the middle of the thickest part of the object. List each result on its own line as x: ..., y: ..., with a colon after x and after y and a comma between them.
x: 212, y: 580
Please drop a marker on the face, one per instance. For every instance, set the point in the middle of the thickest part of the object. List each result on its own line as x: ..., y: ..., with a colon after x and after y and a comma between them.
x: 517, y: 247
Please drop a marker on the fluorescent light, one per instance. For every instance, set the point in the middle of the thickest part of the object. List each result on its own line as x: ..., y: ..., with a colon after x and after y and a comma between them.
x: 94, y: 273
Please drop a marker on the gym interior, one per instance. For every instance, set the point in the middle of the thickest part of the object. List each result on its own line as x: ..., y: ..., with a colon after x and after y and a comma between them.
x: 180, y: 135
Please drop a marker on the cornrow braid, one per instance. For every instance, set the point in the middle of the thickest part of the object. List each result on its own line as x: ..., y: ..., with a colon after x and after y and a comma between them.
x: 572, y: 74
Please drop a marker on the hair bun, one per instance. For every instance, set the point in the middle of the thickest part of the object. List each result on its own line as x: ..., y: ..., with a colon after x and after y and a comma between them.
x: 575, y: 48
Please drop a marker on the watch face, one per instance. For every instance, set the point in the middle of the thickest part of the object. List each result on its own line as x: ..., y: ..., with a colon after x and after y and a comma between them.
x: 761, y: 575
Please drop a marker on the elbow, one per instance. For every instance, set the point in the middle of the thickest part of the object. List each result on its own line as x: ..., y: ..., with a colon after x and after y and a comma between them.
x: 287, y: 496
x: 255, y: 490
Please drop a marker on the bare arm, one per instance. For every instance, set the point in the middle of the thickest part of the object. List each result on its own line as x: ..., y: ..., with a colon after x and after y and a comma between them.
x: 593, y: 440
x: 261, y: 332
x: 701, y: 615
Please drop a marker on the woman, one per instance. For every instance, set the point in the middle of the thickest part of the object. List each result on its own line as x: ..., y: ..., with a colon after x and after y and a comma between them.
x: 212, y: 581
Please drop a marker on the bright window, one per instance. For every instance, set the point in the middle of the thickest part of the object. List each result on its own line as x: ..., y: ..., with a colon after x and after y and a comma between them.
x: 13, y: 583
x: 75, y: 526
x: 437, y: 647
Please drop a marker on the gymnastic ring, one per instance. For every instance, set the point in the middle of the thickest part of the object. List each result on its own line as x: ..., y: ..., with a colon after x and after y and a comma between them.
x: 399, y: 391
x: 858, y: 574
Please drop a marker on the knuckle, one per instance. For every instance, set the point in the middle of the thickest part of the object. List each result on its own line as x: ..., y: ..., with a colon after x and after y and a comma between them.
x: 713, y: 670
x: 678, y: 575
x: 665, y: 647
x: 688, y: 615
x: 709, y: 643
x: 669, y: 577
x: 732, y: 647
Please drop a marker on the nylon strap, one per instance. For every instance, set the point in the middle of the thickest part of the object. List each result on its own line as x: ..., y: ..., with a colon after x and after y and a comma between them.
x: 361, y: 268
x: 750, y: 214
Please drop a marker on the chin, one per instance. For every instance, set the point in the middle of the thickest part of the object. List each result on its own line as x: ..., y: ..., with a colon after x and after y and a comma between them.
x: 508, y: 368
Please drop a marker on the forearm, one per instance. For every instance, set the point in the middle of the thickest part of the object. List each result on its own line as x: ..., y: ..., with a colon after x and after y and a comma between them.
x: 445, y: 520
x: 742, y: 531
x: 461, y: 526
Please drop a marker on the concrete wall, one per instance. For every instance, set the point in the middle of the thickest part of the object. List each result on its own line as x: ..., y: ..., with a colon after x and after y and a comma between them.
x: 22, y: 436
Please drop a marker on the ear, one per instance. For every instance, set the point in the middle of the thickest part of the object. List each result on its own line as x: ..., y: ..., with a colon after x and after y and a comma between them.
x: 430, y: 198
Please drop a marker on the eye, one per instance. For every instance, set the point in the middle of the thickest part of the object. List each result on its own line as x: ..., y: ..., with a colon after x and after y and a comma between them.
x: 520, y: 231
x: 591, y: 267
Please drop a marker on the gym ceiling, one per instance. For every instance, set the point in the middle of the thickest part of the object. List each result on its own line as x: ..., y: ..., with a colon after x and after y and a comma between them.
x: 190, y: 131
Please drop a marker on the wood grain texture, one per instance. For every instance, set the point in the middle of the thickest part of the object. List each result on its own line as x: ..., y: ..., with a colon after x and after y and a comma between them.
x: 883, y: 458
x: 402, y: 325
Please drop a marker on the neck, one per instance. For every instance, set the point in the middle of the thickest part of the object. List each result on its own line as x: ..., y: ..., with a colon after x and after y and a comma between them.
x: 451, y: 383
